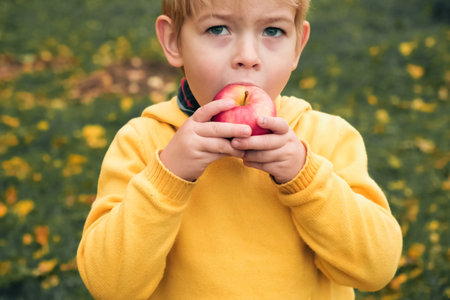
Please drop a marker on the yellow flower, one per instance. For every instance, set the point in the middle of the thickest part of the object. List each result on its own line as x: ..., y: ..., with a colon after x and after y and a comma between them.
x: 46, y: 55
x: 394, y: 162
x: 43, y: 125
x: 11, y: 195
x: 415, y: 71
x: 374, y: 50
x: 419, y: 105
x: 86, y: 198
x: 406, y: 48
x: 426, y: 146
x: 50, y: 282
x: 383, y: 116
x: 430, y: 41
x: 5, y: 267
x: 10, y: 121
x: 398, y: 281
x: 443, y: 93
x: 58, y: 104
x: 402, y: 262
x: 372, y: 99
x: 71, y: 265
x: 3, y: 210
x: 45, y: 266
x: 416, y: 250
x: 64, y: 51
x: 446, y: 184
x: 434, y: 237
x: 41, y: 233
x: 37, y: 177
x: 308, y: 83
x: 16, y: 167
x: 447, y: 292
x: 26, y: 100
x: 94, y: 136
x: 397, y: 185
x: 74, y: 164
x: 413, y: 210
x: 44, y: 250
x: 126, y: 104
x: 23, y: 207
x: 433, y: 225
x: 416, y: 272
x: 27, y: 239
x: 7, y: 140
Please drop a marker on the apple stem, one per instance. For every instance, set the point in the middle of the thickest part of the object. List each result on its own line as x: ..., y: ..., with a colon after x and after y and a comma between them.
x: 245, y: 97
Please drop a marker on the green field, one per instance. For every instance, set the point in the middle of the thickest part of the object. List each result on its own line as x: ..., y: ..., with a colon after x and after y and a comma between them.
x: 73, y: 72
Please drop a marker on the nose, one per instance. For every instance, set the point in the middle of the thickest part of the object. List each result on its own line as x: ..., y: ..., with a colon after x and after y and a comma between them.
x: 247, y: 54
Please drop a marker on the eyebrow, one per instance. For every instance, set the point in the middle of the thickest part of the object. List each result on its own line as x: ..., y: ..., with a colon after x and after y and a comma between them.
x: 215, y: 16
x: 276, y: 19
x: 264, y: 20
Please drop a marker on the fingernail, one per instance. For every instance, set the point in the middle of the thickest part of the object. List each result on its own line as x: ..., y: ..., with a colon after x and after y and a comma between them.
x: 262, y: 120
x: 231, y: 102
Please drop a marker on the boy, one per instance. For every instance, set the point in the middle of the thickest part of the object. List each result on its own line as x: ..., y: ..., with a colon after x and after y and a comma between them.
x: 191, y: 209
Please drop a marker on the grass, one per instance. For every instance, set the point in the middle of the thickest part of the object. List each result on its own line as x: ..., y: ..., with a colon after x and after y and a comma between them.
x: 73, y: 72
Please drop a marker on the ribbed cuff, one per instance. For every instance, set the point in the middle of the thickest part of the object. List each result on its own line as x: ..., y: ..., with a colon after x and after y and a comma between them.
x: 305, y: 176
x: 167, y: 183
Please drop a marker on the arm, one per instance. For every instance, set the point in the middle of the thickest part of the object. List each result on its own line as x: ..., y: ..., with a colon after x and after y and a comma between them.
x: 136, y: 216
x: 133, y: 222
x: 338, y: 210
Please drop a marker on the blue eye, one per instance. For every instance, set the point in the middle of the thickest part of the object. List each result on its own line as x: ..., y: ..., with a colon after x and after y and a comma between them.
x: 218, y: 30
x: 273, y: 31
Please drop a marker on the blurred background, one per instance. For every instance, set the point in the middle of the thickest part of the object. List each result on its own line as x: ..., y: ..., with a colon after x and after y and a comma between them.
x: 73, y: 72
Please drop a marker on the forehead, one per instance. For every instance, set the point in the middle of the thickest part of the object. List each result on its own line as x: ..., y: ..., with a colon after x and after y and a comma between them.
x: 200, y: 5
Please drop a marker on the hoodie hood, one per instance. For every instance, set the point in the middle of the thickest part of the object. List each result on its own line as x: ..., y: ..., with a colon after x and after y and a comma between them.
x: 289, y: 108
x: 166, y: 112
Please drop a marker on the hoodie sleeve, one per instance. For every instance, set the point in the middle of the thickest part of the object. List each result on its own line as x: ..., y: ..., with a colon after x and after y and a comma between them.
x: 338, y: 210
x: 134, y: 220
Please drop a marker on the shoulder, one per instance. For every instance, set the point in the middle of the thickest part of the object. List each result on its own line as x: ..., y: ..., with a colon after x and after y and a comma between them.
x: 322, y: 131
x: 144, y: 134
x: 299, y: 112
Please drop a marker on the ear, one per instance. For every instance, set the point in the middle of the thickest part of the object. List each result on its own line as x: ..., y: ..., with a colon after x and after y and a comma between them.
x: 168, y: 38
x: 306, y: 29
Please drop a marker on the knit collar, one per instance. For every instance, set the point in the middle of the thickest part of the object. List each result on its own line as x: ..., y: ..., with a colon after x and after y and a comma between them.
x: 185, y: 99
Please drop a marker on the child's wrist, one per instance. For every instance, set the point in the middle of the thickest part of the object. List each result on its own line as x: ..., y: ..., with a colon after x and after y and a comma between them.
x: 306, y: 174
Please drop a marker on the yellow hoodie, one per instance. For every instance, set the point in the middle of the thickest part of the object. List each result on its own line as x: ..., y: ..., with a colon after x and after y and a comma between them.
x: 234, y: 233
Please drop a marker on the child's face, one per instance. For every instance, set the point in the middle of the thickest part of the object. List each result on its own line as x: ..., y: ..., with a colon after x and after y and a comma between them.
x: 240, y: 42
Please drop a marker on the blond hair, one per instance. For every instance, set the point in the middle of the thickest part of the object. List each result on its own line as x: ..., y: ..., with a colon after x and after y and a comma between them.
x: 178, y: 10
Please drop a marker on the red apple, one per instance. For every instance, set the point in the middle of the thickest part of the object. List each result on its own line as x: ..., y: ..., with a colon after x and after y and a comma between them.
x: 251, y: 101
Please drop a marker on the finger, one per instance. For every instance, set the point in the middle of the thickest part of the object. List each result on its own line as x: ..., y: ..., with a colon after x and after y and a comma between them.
x: 259, y: 142
x: 209, y: 110
x: 274, y: 169
x: 266, y: 167
x: 221, y: 147
x: 262, y: 156
x: 275, y: 124
x: 223, y: 130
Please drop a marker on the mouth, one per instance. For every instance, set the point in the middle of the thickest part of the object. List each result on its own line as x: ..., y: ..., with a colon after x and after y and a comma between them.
x: 244, y: 83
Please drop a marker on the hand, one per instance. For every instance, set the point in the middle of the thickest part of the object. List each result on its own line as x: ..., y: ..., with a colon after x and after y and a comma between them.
x: 199, y: 142
x: 281, y: 153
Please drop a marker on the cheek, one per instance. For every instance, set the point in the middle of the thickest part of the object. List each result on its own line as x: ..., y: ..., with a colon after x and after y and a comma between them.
x: 202, y: 78
x: 202, y: 70
x: 277, y: 76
